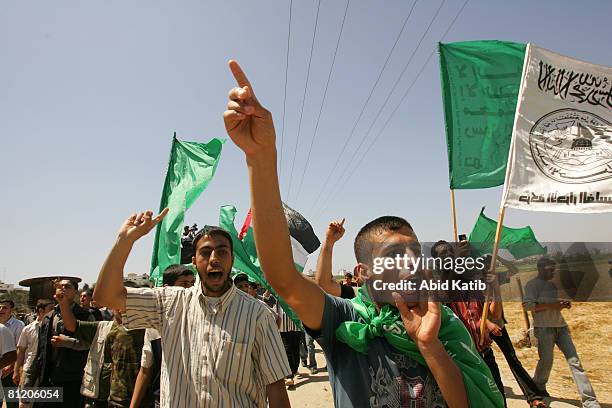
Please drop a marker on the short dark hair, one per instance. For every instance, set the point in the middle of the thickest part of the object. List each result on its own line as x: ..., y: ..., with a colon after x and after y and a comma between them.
x: 211, y: 230
x: 9, y: 301
x: 544, y: 262
x: 42, y: 304
x: 363, y: 247
x: 73, y: 282
x: 88, y: 292
x: 434, y: 248
x: 348, y: 275
x: 241, y: 277
x: 175, y: 271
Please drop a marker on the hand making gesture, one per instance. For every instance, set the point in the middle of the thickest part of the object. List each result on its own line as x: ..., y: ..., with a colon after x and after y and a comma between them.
x: 247, y: 122
x: 335, y: 231
x: 139, y: 225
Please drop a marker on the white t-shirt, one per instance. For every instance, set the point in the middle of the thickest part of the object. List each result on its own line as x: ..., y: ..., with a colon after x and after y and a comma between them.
x: 7, y: 344
x: 147, y: 359
x: 29, y: 340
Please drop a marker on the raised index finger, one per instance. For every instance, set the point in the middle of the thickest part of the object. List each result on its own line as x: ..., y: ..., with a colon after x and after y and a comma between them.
x: 239, y: 74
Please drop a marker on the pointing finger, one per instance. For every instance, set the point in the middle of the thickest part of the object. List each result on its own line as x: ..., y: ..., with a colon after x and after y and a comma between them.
x: 239, y: 74
x: 161, y: 216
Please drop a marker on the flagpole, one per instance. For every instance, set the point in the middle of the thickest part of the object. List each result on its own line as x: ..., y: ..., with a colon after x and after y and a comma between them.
x: 454, y: 215
x: 485, y: 310
x: 525, y: 315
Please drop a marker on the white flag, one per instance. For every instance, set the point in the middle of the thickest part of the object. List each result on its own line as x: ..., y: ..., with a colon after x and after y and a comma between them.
x: 561, y: 151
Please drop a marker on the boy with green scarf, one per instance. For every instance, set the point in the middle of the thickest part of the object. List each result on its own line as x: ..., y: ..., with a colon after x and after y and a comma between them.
x: 407, y: 354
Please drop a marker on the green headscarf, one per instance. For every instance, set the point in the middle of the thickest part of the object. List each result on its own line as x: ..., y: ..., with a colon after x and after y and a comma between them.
x: 479, y: 384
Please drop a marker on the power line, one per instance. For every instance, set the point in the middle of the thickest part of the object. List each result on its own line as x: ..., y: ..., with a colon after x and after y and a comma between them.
x: 364, y: 105
x: 391, y: 92
x: 297, y: 139
x: 401, y: 101
x: 323, y: 101
x: 280, y: 163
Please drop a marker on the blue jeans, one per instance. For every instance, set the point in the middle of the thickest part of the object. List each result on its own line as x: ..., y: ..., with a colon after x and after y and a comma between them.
x: 548, y: 337
x: 307, y: 351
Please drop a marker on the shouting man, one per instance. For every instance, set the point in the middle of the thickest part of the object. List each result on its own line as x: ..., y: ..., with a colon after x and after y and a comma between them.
x: 220, y: 345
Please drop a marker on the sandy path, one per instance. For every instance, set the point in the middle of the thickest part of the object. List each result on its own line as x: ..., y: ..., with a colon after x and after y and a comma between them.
x: 315, y: 391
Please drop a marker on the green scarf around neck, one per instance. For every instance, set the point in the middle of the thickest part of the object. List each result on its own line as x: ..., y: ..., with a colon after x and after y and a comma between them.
x: 479, y: 384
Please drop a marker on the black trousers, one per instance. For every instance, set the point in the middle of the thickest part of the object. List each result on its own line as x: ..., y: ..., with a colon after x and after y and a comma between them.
x: 291, y: 341
x: 524, y: 380
x: 72, y: 396
x: 7, y: 382
x: 489, y: 359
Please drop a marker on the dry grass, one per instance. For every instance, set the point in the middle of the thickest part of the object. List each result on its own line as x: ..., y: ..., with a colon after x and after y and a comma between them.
x: 591, y: 328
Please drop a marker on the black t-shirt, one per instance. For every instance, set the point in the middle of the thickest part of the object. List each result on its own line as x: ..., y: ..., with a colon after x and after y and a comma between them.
x: 346, y: 292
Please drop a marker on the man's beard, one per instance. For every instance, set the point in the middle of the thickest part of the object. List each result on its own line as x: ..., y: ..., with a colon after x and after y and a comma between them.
x: 228, y: 283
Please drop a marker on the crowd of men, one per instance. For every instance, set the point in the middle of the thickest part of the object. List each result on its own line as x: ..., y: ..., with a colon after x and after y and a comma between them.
x: 207, y: 339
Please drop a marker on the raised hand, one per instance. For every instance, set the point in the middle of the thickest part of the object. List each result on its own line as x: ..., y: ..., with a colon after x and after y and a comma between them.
x: 248, y: 123
x: 422, y: 322
x: 138, y: 225
x: 335, y: 231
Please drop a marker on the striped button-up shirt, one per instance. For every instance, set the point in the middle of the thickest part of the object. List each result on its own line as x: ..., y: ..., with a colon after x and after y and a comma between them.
x: 217, y: 352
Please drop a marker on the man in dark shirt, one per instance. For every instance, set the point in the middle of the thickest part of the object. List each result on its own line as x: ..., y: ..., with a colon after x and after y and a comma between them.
x: 85, y: 299
x: 323, y: 275
x: 60, y: 357
x: 378, y: 354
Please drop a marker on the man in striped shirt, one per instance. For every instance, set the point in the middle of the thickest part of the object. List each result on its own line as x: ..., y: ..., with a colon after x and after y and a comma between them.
x: 221, y: 347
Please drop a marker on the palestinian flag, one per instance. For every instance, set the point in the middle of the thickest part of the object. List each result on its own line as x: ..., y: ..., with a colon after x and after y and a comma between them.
x: 303, y: 239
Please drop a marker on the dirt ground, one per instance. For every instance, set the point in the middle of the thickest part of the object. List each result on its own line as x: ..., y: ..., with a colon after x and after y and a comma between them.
x: 593, y: 341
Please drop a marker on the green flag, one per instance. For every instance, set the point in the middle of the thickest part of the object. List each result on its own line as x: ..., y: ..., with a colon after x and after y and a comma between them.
x: 245, y: 256
x: 520, y: 242
x: 480, y: 83
x: 192, y: 166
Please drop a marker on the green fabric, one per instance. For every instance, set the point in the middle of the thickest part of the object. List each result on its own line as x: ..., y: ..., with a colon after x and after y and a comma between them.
x: 479, y: 384
x: 480, y: 83
x: 520, y: 242
x: 192, y: 165
x: 245, y: 257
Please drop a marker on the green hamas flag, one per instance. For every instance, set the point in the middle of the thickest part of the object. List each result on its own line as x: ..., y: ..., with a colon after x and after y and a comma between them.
x: 192, y: 166
x: 245, y: 256
x: 480, y: 83
x: 520, y: 242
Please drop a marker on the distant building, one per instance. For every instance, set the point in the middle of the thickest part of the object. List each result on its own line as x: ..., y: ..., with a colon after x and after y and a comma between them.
x: 6, y: 287
x: 140, y: 280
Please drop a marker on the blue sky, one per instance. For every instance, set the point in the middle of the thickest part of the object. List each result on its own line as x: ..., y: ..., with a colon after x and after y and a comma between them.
x: 92, y: 92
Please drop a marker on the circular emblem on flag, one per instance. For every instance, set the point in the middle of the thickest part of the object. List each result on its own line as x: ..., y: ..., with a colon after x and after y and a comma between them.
x: 572, y: 146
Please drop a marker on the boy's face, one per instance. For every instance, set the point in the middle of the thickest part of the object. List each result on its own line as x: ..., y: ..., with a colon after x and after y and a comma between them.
x: 185, y: 281
x: 390, y: 244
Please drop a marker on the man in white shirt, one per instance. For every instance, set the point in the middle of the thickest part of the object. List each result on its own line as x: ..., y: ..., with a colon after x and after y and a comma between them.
x: 221, y: 346
x: 550, y: 328
x: 8, y: 355
x: 15, y: 326
x: 26, y: 349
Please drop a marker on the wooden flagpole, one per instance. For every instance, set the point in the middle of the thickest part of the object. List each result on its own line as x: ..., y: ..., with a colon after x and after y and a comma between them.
x: 454, y: 215
x: 485, y: 310
x: 525, y: 314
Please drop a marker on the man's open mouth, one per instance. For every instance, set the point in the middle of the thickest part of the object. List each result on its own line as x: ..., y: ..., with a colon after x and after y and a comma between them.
x: 215, y: 275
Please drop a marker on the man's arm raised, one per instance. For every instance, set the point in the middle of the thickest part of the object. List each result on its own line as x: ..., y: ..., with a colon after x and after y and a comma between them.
x: 109, y: 290
x: 323, y: 275
x: 251, y: 128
